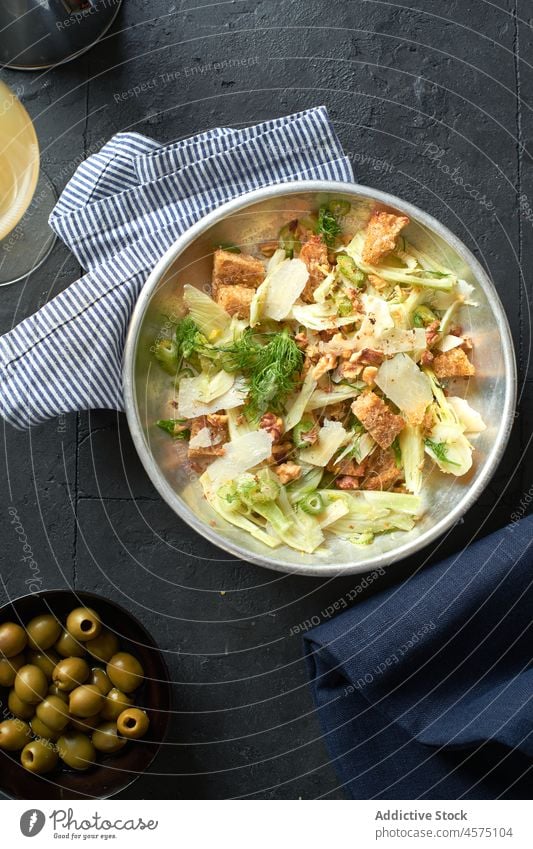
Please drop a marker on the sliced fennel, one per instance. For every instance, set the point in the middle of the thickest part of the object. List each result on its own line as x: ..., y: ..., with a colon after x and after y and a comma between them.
x: 446, y: 444
x: 200, y: 396
x: 320, y: 316
x: 297, y: 406
x: 321, y: 399
x: 394, y: 274
x: 468, y: 417
x: 210, y: 318
x: 412, y: 448
x: 237, y: 518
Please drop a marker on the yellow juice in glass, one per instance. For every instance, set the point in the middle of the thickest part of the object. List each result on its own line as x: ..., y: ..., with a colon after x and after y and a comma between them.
x: 19, y: 160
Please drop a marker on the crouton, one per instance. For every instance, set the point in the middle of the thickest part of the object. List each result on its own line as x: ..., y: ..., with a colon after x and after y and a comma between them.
x: 315, y: 255
x: 381, y: 235
x: 378, y: 419
x: 216, y: 433
x: 382, y: 471
x: 235, y: 300
x: 231, y: 269
x: 453, y: 363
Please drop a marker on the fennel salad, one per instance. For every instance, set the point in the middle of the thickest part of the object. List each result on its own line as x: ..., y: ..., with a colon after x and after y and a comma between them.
x: 311, y: 386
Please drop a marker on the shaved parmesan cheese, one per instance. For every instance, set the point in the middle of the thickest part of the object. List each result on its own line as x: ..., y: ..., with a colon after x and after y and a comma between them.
x: 377, y: 316
x: 469, y: 418
x: 191, y: 403
x: 405, y: 385
x: 395, y: 341
x: 279, y: 290
x: 330, y: 438
x: 202, y: 439
x: 239, y: 456
x: 448, y: 342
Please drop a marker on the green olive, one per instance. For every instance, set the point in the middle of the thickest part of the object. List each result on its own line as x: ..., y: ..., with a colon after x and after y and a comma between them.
x: 125, y: 671
x: 87, y: 724
x: 40, y: 729
x: 84, y: 624
x: 18, y: 708
x: 12, y: 639
x: 133, y: 723
x: 43, y: 631
x: 39, y: 756
x: 115, y: 702
x: 55, y: 691
x: 45, y: 660
x: 100, y: 678
x: 30, y: 684
x: 103, y: 647
x: 85, y: 700
x: 53, y: 712
x: 67, y: 646
x: 105, y: 738
x: 70, y: 673
x: 76, y: 750
x: 9, y: 666
x: 14, y: 734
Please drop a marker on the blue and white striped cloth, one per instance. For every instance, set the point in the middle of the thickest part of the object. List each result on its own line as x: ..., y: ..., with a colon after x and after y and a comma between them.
x: 119, y: 213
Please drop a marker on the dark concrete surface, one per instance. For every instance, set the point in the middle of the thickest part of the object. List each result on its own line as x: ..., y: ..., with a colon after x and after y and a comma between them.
x: 395, y: 80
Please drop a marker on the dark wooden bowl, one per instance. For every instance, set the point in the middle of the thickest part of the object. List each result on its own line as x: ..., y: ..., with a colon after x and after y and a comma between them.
x: 112, y: 773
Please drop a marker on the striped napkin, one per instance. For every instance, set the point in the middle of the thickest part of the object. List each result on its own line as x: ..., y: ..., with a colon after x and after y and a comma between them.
x: 119, y: 213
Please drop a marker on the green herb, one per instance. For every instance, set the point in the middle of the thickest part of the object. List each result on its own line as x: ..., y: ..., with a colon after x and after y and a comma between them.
x: 189, y: 339
x: 327, y: 226
x: 171, y: 425
x: 397, y: 453
x: 271, y: 368
x: 348, y: 269
x: 312, y: 503
x: 440, y: 450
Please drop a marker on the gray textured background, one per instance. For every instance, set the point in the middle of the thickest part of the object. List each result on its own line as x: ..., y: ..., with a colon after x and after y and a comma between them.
x: 394, y: 79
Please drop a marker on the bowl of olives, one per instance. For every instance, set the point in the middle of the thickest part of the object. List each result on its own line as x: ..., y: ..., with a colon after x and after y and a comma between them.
x: 84, y: 696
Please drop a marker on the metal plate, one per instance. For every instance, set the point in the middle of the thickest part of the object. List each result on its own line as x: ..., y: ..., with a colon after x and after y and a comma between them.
x: 258, y: 216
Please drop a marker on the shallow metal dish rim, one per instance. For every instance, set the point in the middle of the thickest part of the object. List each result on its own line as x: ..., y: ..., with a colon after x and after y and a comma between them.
x: 173, y: 499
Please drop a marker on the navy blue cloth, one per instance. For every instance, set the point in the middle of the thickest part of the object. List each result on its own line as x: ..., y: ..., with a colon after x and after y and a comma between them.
x: 425, y: 691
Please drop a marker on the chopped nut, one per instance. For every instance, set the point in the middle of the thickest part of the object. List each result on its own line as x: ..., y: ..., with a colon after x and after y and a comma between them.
x: 377, y: 282
x: 382, y: 472
x: 281, y: 451
x: 325, y: 363
x: 301, y: 340
x: 369, y: 374
x: 288, y: 472
x: 347, y: 482
x: 427, y: 358
x: 432, y: 332
x: 369, y: 357
x: 349, y: 371
x: 273, y: 425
